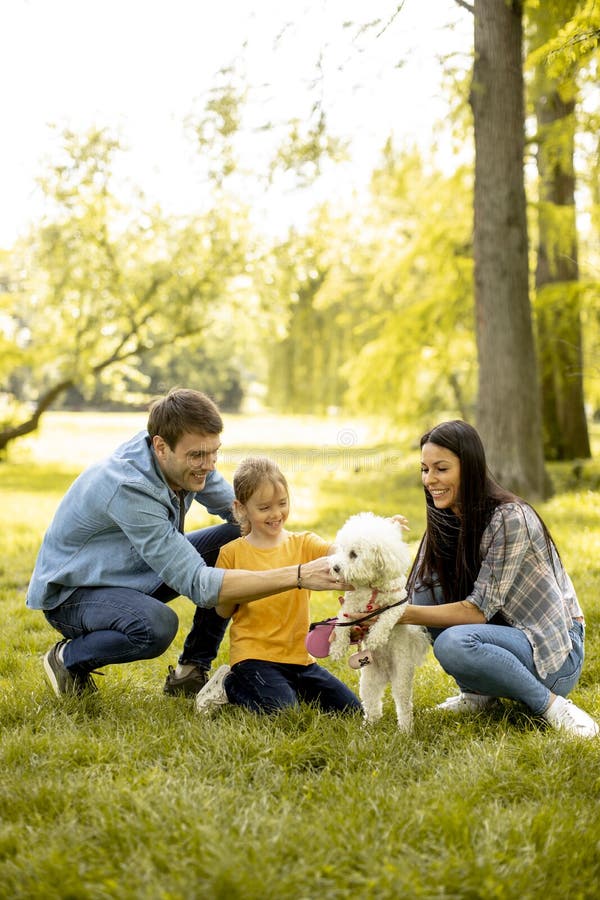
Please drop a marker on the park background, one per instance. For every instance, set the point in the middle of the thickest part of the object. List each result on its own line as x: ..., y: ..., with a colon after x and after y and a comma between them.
x: 339, y: 283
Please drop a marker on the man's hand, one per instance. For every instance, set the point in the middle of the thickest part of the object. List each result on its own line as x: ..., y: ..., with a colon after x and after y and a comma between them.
x: 244, y: 586
x: 317, y: 576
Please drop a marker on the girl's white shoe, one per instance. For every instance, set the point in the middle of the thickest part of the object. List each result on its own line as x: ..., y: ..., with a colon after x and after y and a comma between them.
x: 213, y: 693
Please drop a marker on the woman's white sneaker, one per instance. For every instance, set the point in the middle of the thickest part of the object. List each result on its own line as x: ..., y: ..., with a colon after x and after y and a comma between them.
x: 565, y: 716
x: 465, y: 702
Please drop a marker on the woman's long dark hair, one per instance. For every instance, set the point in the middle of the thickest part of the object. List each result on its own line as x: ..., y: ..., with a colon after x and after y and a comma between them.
x: 450, y: 548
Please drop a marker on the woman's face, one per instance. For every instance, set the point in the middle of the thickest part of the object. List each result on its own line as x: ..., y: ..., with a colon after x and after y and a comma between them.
x: 440, y: 474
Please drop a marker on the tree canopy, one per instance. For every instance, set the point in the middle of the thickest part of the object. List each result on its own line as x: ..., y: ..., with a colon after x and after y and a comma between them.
x: 370, y: 308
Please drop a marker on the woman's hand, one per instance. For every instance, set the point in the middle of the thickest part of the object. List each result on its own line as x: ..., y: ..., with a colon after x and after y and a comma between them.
x: 359, y: 632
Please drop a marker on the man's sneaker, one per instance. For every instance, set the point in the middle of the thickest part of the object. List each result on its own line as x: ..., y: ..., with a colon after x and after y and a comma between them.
x: 213, y: 693
x: 565, y: 716
x: 188, y: 684
x: 61, y: 680
x: 465, y: 702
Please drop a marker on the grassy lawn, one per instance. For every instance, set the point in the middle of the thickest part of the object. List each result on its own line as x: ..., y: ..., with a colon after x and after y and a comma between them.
x: 130, y: 794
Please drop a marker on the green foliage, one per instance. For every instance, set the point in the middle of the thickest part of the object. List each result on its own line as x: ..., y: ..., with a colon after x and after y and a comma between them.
x: 559, y: 235
x: 376, y: 314
x: 316, y: 315
x: 368, y: 309
x: 306, y: 148
x: 423, y: 357
x: 13, y: 330
x: 130, y: 795
x: 103, y: 288
x: 216, y: 128
x: 554, y: 94
x: 573, y: 35
x: 297, y: 150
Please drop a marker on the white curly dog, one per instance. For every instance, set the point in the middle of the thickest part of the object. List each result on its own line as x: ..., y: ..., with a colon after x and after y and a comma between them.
x: 371, y: 555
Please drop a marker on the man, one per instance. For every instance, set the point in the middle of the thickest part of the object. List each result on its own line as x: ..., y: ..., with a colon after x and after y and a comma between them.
x: 115, y: 554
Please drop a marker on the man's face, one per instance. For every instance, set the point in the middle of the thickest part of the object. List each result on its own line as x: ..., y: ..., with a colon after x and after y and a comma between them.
x: 187, y: 465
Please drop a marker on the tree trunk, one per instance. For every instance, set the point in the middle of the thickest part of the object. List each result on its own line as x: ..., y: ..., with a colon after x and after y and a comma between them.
x: 508, y: 414
x: 45, y: 401
x: 558, y: 304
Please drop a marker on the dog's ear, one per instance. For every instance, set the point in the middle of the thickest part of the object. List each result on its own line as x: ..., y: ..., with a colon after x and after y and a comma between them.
x: 379, y: 562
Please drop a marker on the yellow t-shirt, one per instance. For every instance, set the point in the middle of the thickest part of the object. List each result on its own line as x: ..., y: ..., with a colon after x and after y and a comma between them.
x: 272, y: 629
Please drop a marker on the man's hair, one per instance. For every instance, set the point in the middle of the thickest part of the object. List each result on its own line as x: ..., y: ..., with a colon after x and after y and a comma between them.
x: 183, y: 411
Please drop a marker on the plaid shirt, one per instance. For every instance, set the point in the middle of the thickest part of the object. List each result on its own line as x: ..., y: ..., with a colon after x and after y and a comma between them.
x: 518, y: 580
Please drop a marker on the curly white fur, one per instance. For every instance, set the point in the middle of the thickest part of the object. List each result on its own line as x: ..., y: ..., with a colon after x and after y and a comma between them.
x: 371, y: 555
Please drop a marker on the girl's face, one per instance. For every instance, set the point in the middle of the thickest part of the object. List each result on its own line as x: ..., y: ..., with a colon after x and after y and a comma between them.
x: 267, y: 510
x: 440, y: 474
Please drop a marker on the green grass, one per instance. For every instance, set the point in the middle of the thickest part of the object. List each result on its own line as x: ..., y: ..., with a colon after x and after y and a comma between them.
x: 129, y: 794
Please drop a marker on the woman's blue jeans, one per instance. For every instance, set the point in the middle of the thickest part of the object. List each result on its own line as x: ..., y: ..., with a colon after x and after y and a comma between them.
x: 118, y: 625
x: 497, y: 660
x: 265, y: 687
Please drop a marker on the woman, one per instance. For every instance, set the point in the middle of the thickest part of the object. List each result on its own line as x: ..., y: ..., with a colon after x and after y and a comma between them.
x: 489, y: 584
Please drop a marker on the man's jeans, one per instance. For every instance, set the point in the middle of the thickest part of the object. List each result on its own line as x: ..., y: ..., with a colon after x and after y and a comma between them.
x: 119, y: 625
x: 498, y: 660
x: 266, y: 687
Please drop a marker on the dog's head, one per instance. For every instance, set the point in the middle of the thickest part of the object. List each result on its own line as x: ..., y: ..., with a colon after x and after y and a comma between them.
x: 370, y: 552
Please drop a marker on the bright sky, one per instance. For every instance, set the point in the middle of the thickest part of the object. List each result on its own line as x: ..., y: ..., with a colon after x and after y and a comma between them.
x: 142, y: 66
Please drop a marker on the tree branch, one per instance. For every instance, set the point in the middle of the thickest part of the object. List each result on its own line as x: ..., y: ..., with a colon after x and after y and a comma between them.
x: 468, y: 6
x: 45, y: 401
x: 391, y: 19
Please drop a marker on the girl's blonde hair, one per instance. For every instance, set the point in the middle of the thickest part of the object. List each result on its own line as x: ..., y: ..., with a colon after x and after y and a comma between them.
x: 251, y: 473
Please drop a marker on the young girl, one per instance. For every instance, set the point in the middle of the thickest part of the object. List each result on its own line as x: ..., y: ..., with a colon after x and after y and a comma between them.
x: 489, y: 584
x: 270, y: 666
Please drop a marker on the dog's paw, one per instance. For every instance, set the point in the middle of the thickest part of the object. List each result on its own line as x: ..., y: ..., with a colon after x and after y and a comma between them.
x: 405, y: 725
x: 372, y: 717
x: 340, y: 643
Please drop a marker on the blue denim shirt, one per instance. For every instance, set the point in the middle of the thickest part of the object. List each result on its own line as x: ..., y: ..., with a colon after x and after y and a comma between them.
x: 117, y: 525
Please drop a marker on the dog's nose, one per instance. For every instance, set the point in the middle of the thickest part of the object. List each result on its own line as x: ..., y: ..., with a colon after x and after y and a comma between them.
x: 336, y: 569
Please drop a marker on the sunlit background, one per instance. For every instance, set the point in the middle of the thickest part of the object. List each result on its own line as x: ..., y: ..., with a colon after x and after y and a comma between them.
x: 142, y: 67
